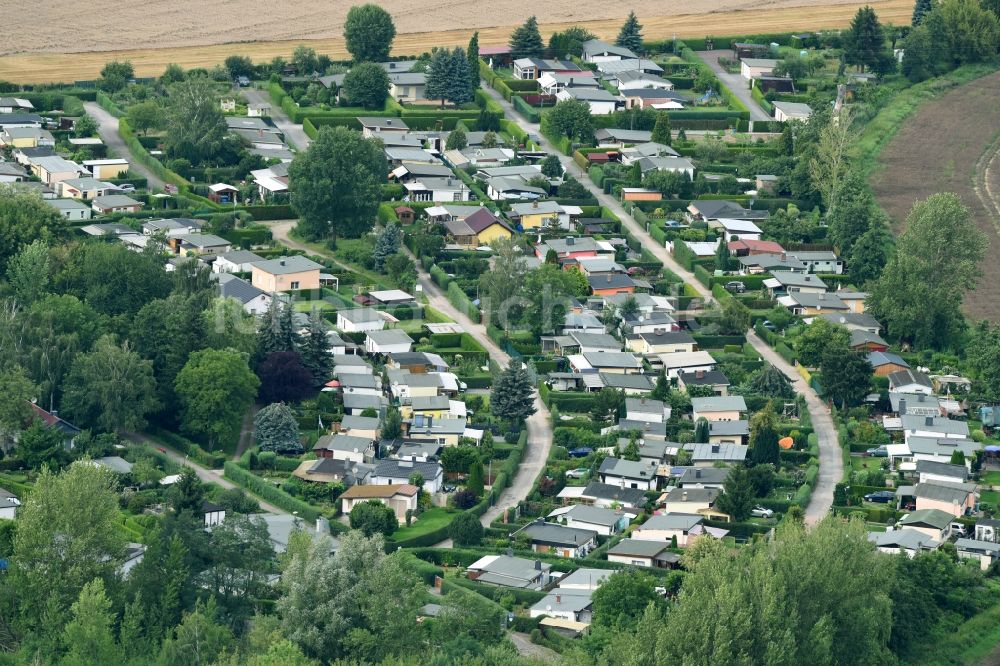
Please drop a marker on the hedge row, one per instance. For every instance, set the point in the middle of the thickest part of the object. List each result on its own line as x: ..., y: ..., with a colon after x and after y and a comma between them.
x: 269, y: 493
x: 529, y: 112
x: 458, y: 298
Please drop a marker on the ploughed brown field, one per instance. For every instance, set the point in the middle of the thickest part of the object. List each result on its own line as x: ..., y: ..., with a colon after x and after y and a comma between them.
x: 66, y: 41
x: 951, y: 145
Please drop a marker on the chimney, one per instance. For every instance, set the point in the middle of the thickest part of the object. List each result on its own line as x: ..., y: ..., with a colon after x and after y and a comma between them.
x: 388, y: 121
x: 902, y: 407
x: 700, y: 374
x: 684, y: 496
x: 715, y: 448
x: 571, y: 240
x: 929, y: 421
x: 534, y: 204
x: 697, y: 473
x: 281, y: 262
x: 538, y: 565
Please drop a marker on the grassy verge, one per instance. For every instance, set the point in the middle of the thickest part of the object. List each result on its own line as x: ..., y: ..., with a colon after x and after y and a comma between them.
x: 879, y: 131
x: 972, y: 642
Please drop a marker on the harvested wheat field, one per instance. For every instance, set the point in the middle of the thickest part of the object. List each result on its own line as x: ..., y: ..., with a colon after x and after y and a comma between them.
x: 951, y: 145
x: 66, y: 41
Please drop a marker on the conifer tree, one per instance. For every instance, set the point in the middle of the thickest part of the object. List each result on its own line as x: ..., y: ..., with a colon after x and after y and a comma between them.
x: 472, y: 55
x: 315, y: 350
x: 630, y: 36
x: 526, y: 41
x: 512, y: 396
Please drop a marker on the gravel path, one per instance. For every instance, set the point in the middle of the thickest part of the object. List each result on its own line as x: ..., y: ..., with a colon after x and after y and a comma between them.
x: 735, y: 82
x: 107, y: 127
x: 831, y: 461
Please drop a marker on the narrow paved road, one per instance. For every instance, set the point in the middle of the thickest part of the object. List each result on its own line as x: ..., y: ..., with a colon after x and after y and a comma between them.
x: 295, y: 136
x: 831, y: 461
x: 206, y: 475
x: 107, y: 127
x: 648, y: 242
x: 735, y: 82
x: 539, y: 425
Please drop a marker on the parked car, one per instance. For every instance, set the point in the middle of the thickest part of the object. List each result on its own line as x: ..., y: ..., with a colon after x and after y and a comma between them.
x: 578, y: 473
x: 447, y: 489
x: 581, y: 452
x: 878, y: 451
x: 881, y: 496
x: 735, y: 287
x: 126, y: 187
x: 768, y: 325
x: 242, y: 81
x: 761, y: 512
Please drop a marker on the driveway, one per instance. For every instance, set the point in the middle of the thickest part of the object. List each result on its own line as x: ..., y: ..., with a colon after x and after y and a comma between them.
x: 831, y: 461
x: 735, y: 82
x: 295, y: 136
x: 213, y: 476
x: 107, y: 127
x: 539, y: 427
x: 528, y: 649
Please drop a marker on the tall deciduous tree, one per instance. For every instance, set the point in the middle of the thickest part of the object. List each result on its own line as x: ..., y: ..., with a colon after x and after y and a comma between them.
x: 215, y: 388
x: 25, y: 218
x: 67, y: 536
x: 195, y: 127
x: 829, y: 165
x: 276, y: 429
x: 937, y: 260
x: 111, y: 388
x: 526, y: 41
x: 369, y: 31
x: 367, y: 85
x: 283, y: 377
x: 88, y: 638
x: 29, y: 272
x: 337, y: 183
x: 512, y: 396
x: 145, y: 116
x: 373, y: 517
x: 630, y: 35
x: 623, y: 597
x: 115, y: 75
x: 571, y: 117
x: 198, y: 640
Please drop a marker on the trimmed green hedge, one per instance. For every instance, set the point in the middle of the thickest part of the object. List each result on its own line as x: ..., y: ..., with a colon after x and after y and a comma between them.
x: 212, y: 460
x: 458, y: 298
x: 269, y: 493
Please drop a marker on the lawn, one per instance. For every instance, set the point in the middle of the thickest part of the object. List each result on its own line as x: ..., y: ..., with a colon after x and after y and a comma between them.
x: 428, y: 521
x: 989, y: 497
x: 991, y: 479
x: 859, y: 463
